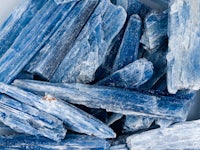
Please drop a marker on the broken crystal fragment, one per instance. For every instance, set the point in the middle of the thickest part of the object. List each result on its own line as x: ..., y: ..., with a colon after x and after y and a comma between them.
x: 184, y: 42
x: 25, y: 119
x: 131, y: 76
x: 51, y: 55
x: 178, y: 136
x: 90, y: 48
x: 158, y: 58
x: 114, y: 99
x: 31, y: 39
x: 64, y: 1
x: 71, y: 142
x: 128, y: 51
x: 134, y: 7
x: 155, y: 30
x: 17, y: 20
x: 135, y: 123
x: 74, y: 118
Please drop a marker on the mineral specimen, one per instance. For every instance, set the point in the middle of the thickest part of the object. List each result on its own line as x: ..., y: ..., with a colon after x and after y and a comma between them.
x: 155, y: 30
x: 134, y: 7
x: 64, y: 1
x: 15, y: 23
x: 184, y: 42
x: 74, y: 118
x: 128, y: 51
x: 90, y: 48
x: 31, y: 39
x: 179, y: 136
x: 131, y: 76
x: 71, y: 142
x: 114, y: 99
x: 25, y: 119
x: 51, y: 55
x: 135, y: 123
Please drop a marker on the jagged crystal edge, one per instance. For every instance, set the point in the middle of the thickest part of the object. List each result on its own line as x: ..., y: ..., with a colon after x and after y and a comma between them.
x: 48, y: 59
x: 17, y: 20
x: 90, y: 48
x: 74, y: 118
x: 114, y: 99
x: 179, y: 136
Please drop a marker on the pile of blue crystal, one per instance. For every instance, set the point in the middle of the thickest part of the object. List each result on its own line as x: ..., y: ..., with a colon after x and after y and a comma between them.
x: 100, y: 74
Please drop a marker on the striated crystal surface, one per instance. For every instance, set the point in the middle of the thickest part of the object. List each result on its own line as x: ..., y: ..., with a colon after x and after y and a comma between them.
x: 25, y: 119
x: 71, y: 142
x: 64, y: 1
x: 17, y: 20
x: 51, y: 55
x: 128, y: 51
x: 74, y: 118
x: 178, y: 136
x: 155, y: 30
x: 90, y: 48
x: 114, y: 99
x: 131, y: 76
x: 31, y: 39
x: 184, y: 42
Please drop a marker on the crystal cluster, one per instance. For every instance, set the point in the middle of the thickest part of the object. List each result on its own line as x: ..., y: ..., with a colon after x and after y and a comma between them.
x: 97, y: 74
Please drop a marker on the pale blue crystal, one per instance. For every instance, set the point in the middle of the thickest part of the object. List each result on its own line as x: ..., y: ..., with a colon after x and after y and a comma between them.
x: 17, y: 20
x: 25, y: 119
x: 128, y: 51
x: 131, y: 76
x: 135, y: 123
x: 71, y: 142
x: 184, y: 42
x: 74, y: 118
x: 115, y: 99
x: 64, y: 1
x: 179, y: 136
x: 90, y: 48
x: 31, y: 39
x: 155, y: 30
x: 51, y: 55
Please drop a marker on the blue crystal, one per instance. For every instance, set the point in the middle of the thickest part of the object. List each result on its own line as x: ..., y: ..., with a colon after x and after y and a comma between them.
x: 158, y: 5
x: 115, y: 99
x: 128, y: 51
x: 71, y: 142
x: 29, y: 42
x: 134, y: 7
x: 113, y: 118
x: 155, y: 30
x: 184, y: 36
x: 51, y: 55
x: 25, y: 119
x: 131, y: 76
x: 74, y: 118
x: 90, y: 48
x: 158, y: 58
x: 17, y: 20
x: 179, y: 136
x: 135, y: 123
x: 64, y: 1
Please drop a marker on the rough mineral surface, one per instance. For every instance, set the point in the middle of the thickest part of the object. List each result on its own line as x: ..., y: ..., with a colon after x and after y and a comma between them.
x: 184, y: 42
x: 179, y: 136
x: 71, y: 142
x: 74, y: 118
x: 90, y: 48
x: 114, y: 99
